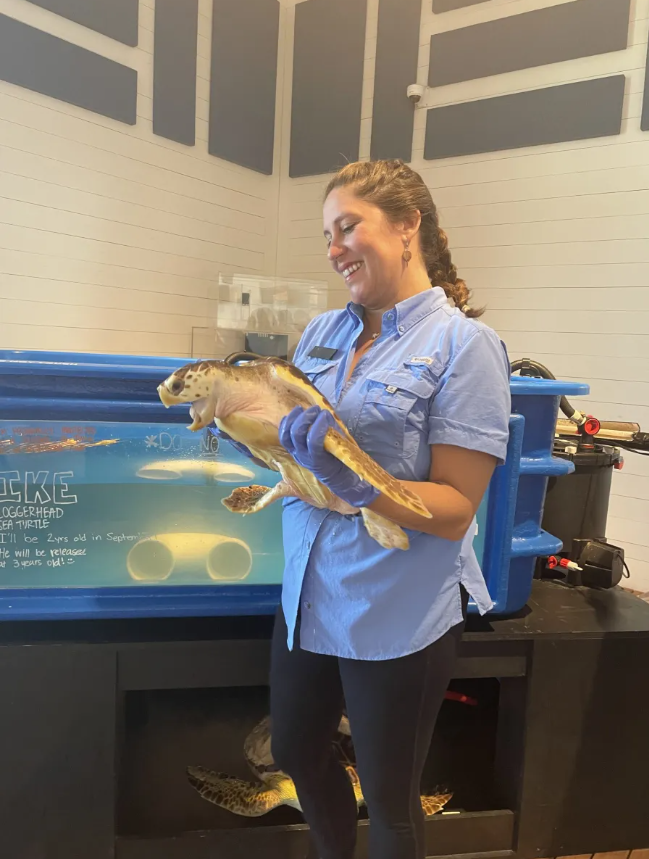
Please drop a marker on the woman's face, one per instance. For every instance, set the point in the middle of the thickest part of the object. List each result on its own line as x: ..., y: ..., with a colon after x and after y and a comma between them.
x: 364, y: 248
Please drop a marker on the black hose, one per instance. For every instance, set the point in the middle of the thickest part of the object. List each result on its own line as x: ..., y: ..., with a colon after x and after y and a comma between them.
x: 542, y: 370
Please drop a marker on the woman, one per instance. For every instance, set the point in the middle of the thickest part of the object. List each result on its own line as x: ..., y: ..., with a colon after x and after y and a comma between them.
x: 424, y: 389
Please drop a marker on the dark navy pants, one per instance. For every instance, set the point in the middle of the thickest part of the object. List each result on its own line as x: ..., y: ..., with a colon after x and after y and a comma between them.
x: 392, y: 707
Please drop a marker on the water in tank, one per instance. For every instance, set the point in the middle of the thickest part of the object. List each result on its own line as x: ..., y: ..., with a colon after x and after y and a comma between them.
x: 125, y: 504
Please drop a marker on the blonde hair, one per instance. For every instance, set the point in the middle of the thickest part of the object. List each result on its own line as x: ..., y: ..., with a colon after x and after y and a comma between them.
x: 398, y: 191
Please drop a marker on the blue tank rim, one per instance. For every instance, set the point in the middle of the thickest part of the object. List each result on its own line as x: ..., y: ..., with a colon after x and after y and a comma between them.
x: 59, y: 357
x: 532, y: 386
x: 102, y: 363
x: 26, y: 360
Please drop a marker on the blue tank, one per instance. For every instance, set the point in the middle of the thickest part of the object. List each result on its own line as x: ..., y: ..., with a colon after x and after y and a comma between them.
x: 111, y: 507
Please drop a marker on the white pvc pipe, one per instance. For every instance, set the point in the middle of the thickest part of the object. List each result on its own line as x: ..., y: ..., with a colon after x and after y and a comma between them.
x: 224, y: 559
x: 175, y: 469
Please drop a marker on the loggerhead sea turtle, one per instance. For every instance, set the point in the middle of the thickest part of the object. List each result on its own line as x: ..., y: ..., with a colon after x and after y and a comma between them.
x: 248, y: 402
x: 274, y: 787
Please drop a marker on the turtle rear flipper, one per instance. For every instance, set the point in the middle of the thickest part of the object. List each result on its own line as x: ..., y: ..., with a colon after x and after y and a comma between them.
x: 251, y: 499
x: 238, y: 796
x: 386, y: 533
x: 432, y: 804
x: 257, y: 747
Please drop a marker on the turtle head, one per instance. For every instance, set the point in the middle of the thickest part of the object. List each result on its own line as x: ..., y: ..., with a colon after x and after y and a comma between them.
x: 195, y: 383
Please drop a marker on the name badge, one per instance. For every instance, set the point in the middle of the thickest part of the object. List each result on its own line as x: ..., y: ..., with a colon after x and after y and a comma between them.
x: 422, y: 360
x: 324, y: 352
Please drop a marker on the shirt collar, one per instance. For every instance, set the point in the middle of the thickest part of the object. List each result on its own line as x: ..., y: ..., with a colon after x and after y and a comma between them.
x: 406, y: 313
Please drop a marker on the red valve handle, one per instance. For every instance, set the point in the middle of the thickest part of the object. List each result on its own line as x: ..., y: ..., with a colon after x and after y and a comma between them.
x: 592, y: 426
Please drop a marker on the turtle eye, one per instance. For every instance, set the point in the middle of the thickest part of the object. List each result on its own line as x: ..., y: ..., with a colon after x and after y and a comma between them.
x: 177, y: 386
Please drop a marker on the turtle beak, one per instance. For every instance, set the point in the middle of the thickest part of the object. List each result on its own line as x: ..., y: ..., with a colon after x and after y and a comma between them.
x: 167, y: 398
x: 171, y: 391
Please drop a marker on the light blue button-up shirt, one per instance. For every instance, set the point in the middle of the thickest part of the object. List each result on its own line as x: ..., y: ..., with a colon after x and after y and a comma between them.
x: 432, y: 377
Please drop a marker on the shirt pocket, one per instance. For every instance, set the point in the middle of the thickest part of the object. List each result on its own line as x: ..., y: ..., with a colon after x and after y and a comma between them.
x: 321, y: 374
x: 393, y: 421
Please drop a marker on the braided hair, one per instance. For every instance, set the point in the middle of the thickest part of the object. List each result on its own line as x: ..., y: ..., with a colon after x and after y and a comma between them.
x: 397, y: 190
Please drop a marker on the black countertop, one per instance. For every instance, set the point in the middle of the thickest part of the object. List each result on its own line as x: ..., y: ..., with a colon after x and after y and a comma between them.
x: 558, y: 610
x: 553, y: 610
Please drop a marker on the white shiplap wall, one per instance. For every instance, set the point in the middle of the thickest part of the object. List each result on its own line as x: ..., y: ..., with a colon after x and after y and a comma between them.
x: 552, y: 239
x: 110, y: 236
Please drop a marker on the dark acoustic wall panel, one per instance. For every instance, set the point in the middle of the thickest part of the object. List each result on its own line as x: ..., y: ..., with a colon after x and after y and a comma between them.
x: 43, y: 63
x: 174, y: 70
x: 115, y: 18
x: 328, y: 60
x: 581, y: 28
x: 577, y: 111
x: 245, y: 36
x: 397, y: 52
x: 449, y: 5
x: 644, y: 121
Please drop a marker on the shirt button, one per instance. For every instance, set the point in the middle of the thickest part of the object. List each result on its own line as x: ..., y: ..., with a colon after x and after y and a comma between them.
x: 401, y: 329
x: 307, y: 605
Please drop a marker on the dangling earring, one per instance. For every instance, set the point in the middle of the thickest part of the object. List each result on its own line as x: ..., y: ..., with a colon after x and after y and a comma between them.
x: 407, y: 256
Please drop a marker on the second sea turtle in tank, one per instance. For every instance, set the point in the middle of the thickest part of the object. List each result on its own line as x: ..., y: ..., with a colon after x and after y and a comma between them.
x: 248, y: 401
x: 274, y: 787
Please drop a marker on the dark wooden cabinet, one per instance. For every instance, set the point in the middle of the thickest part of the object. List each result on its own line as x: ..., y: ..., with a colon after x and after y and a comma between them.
x: 99, y: 720
x: 58, y: 737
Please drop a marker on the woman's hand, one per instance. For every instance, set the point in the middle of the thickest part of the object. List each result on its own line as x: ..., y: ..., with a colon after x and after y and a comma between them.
x: 302, y: 433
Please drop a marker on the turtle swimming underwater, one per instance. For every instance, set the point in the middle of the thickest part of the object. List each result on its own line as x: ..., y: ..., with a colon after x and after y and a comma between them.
x: 274, y: 787
x: 248, y: 402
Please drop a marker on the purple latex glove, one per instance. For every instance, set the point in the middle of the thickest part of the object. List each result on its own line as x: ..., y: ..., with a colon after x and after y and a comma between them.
x: 223, y: 436
x: 302, y: 433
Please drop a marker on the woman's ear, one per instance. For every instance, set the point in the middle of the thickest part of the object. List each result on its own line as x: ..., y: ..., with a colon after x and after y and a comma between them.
x: 410, y: 225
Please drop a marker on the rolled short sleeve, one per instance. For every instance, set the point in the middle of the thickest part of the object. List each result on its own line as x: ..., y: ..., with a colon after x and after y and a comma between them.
x: 472, y: 404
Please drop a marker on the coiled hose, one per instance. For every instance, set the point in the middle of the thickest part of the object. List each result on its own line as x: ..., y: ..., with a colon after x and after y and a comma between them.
x: 542, y: 370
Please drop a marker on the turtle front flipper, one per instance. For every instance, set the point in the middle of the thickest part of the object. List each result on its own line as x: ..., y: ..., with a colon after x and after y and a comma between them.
x: 234, y: 794
x: 349, y: 453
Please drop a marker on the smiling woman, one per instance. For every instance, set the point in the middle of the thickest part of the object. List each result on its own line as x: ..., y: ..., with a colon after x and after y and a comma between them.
x: 424, y: 389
